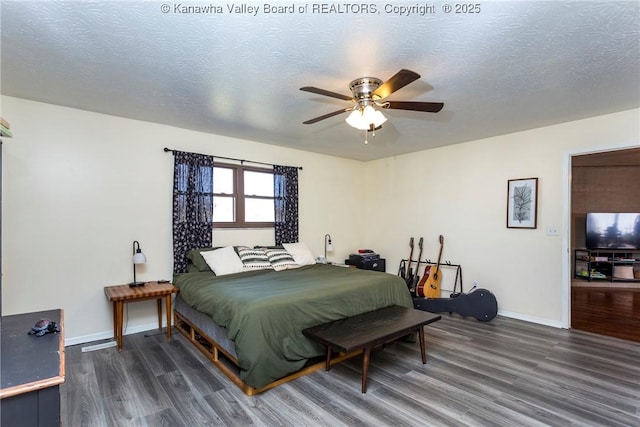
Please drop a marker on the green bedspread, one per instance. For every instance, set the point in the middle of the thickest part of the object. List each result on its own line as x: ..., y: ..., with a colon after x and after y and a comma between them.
x: 265, y: 311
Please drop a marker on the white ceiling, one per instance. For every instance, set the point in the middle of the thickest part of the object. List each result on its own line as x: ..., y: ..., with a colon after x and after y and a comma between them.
x: 515, y: 65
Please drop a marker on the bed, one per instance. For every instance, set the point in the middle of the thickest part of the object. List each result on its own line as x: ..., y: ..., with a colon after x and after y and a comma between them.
x: 254, y: 319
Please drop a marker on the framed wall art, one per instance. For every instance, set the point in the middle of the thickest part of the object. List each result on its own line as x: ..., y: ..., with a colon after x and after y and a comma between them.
x: 522, y: 203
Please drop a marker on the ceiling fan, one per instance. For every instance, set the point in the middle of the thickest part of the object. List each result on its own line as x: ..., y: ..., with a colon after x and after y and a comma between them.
x: 370, y: 92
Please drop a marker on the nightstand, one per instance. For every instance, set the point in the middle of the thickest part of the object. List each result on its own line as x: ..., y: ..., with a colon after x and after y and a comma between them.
x: 122, y: 294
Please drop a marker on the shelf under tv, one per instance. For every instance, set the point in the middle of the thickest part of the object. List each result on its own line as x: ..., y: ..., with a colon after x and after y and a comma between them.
x: 611, y: 265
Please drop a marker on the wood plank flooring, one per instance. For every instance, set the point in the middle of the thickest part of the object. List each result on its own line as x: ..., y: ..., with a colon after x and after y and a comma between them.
x: 608, y: 311
x: 500, y: 373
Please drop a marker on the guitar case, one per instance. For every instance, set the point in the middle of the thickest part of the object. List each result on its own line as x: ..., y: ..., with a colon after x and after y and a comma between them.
x: 479, y: 303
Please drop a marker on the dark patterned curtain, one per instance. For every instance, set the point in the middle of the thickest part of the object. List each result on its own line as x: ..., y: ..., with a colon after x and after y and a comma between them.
x: 192, y: 205
x: 285, y: 192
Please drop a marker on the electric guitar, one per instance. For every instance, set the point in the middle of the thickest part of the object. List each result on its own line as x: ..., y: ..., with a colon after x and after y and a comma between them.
x: 429, y: 286
x: 408, y: 276
x: 416, y: 278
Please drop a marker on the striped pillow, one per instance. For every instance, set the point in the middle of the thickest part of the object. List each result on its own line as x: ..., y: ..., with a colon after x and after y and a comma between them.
x: 253, y: 259
x: 280, y: 259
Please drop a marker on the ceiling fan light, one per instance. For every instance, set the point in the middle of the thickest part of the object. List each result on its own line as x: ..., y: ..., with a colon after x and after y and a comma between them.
x: 368, y: 113
x: 371, y: 116
x: 378, y: 119
x: 363, y: 119
x: 356, y: 120
x: 353, y: 118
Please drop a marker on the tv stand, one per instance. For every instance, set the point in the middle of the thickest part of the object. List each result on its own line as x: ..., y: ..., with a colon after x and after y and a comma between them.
x: 613, y: 265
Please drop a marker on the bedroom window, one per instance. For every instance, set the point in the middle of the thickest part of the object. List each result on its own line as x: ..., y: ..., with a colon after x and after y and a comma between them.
x: 242, y: 197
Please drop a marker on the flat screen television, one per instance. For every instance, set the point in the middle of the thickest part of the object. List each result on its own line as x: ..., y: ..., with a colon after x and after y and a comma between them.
x: 613, y: 230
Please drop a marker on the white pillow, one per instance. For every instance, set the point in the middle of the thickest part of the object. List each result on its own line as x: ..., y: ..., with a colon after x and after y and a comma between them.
x: 223, y: 261
x: 300, y: 253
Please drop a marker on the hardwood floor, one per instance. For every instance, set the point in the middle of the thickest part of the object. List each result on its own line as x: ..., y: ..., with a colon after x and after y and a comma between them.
x: 500, y: 373
x: 608, y: 311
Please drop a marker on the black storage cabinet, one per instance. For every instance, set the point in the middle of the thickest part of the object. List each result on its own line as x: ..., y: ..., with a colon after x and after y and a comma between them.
x: 32, y: 371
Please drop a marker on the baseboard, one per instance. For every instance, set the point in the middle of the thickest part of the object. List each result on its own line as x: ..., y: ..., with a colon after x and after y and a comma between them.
x: 154, y: 326
x: 106, y: 335
x: 532, y: 319
x: 100, y: 346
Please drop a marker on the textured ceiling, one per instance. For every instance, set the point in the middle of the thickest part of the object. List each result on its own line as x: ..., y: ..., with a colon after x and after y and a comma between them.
x: 514, y: 65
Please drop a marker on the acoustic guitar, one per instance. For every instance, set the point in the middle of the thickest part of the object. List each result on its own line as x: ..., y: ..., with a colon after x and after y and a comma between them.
x: 429, y: 285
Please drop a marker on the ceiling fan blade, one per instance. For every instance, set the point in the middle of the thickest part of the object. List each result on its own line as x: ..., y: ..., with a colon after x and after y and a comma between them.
x: 398, y: 81
x: 326, y: 93
x: 326, y: 116
x: 429, y: 107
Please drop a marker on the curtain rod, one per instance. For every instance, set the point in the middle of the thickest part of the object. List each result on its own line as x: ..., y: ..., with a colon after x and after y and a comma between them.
x: 242, y: 161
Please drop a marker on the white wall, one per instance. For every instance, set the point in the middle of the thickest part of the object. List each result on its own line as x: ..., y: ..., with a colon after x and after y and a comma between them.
x: 460, y: 192
x: 79, y: 187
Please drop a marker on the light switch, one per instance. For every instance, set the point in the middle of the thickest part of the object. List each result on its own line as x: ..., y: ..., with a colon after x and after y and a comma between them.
x: 552, y: 230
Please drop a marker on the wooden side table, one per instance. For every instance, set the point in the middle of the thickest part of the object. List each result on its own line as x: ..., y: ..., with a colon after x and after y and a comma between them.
x: 122, y: 294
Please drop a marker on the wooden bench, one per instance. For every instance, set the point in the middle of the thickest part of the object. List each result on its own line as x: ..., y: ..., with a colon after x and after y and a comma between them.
x: 368, y: 330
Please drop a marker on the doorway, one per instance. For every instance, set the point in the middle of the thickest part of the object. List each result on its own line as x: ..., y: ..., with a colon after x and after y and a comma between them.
x: 603, y: 303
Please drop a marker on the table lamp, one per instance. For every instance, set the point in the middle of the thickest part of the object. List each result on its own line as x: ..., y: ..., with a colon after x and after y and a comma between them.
x: 138, y: 258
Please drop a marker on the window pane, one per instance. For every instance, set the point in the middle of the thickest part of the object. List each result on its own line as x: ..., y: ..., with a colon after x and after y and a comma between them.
x: 223, y: 209
x: 258, y: 210
x: 222, y: 180
x: 258, y: 184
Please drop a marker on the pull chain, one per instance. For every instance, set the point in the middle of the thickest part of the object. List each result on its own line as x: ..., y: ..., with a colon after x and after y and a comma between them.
x: 366, y: 134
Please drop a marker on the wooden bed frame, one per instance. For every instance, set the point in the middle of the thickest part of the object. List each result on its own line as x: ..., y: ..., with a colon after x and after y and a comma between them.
x: 228, y: 364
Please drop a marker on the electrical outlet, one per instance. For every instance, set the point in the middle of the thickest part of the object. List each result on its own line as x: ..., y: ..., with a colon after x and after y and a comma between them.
x: 552, y: 230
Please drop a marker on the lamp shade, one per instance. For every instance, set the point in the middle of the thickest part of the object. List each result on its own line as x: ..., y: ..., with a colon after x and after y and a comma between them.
x: 139, y: 258
x: 368, y: 114
x: 355, y: 120
x: 378, y: 119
